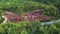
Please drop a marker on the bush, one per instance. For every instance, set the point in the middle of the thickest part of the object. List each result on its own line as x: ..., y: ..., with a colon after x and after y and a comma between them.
x: 28, y: 6
x: 1, y: 19
x: 52, y: 2
x: 19, y: 28
x: 26, y: 27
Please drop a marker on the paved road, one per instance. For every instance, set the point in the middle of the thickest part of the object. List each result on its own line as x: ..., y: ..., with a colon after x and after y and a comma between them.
x: 50, y: 22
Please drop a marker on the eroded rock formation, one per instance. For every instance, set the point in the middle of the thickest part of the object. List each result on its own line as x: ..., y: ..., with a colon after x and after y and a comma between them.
x: 30, y: 16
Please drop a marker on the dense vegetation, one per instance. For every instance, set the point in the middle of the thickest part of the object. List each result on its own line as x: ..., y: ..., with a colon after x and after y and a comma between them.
x: 29, y: 28
x: 50, y: 7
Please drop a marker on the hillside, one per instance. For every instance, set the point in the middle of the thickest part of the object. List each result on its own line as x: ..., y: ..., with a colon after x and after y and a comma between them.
x: 50, y: 8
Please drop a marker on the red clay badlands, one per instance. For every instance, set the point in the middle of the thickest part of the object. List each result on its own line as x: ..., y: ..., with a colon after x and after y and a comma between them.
x: 30, y: 16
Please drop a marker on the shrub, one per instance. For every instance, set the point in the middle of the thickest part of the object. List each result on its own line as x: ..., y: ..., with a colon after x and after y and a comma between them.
x: 19, y: 28
x: 28, y: 6
x: 26, y: 27
x: 52, y: 2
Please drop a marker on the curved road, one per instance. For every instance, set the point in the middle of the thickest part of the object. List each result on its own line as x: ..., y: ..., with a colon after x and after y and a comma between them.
x: 50, y: 22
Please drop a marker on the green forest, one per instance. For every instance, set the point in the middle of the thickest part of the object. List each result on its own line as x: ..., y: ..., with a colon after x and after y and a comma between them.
x: 50, y: 7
